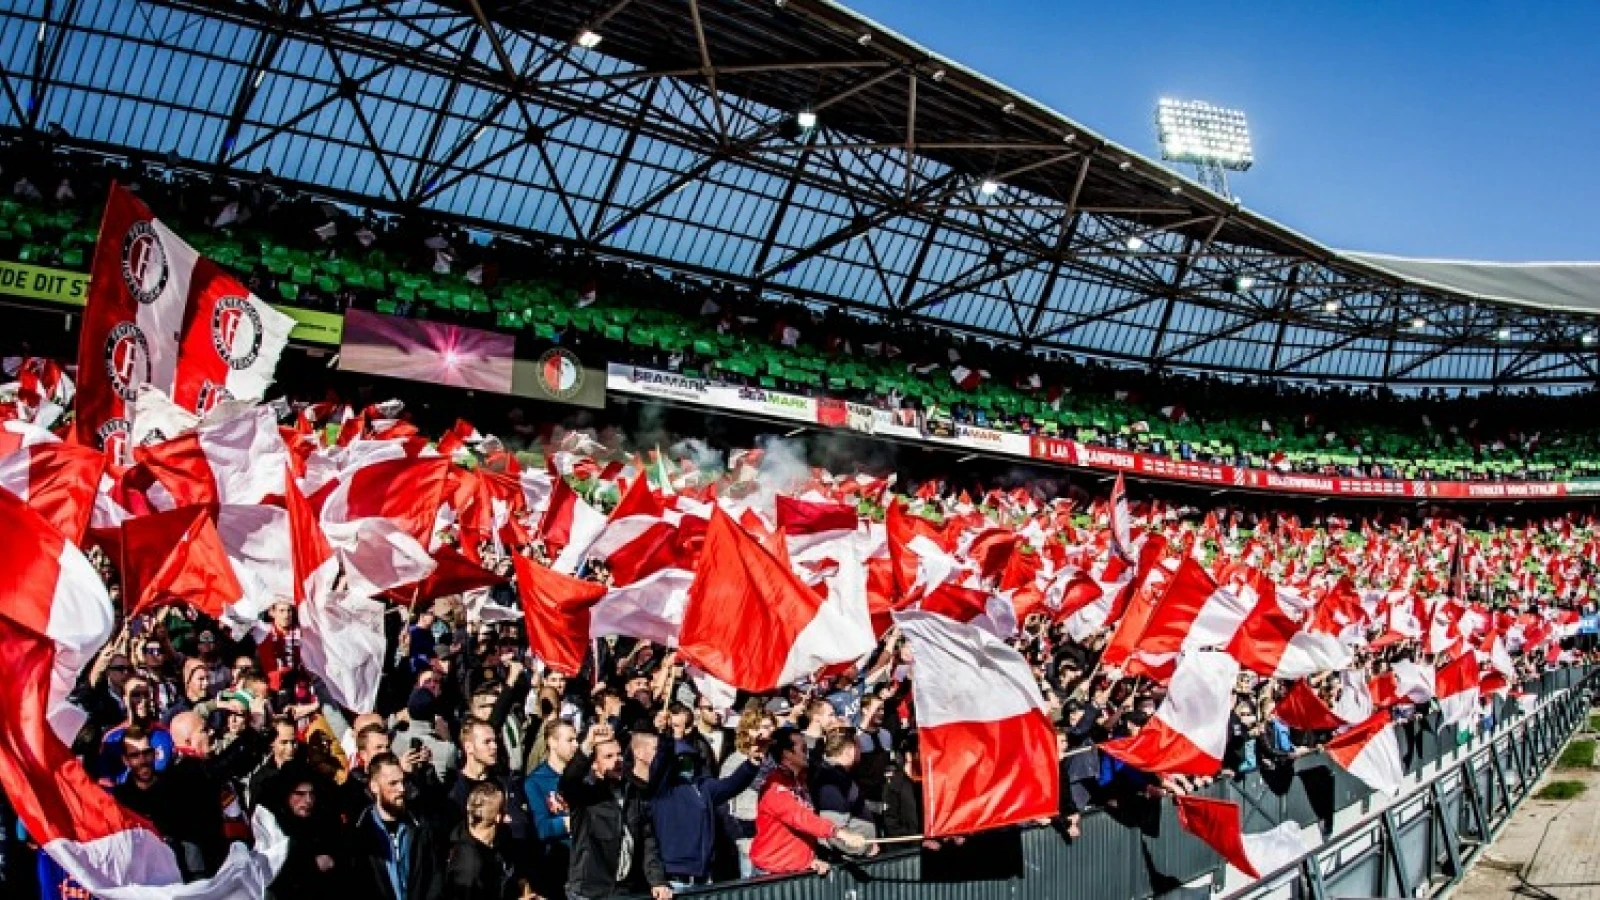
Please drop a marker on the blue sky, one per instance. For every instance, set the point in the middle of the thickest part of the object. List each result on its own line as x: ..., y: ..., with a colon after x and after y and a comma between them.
x: 1466, y: 129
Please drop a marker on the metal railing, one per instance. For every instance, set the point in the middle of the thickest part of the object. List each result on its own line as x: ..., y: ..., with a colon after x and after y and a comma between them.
x: 1422, y: 839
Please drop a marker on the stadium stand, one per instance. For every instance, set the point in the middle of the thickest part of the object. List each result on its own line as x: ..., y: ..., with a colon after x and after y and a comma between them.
x: 322, y: 255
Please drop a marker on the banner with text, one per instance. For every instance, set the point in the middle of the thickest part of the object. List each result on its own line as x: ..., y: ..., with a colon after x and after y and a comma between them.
x: 941, y: 430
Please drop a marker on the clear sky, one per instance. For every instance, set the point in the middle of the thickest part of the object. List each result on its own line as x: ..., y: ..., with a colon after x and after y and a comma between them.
x: 1466, y: 129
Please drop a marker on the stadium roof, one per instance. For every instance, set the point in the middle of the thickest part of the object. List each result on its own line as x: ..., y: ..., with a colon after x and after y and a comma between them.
x: 924, y: 190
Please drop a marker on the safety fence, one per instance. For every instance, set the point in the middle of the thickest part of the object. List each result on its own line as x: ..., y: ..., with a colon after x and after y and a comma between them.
x: 1464, y: 789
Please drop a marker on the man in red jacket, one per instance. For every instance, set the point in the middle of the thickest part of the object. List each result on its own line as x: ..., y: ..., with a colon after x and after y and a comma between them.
x: 787, y: 827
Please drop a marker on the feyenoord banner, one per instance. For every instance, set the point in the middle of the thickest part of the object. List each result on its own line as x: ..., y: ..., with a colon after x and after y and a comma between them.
x: 159, y: 314
x: 138, y: 291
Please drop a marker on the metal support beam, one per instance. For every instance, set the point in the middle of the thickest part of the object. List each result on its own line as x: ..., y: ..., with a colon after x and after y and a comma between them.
x: 623, y: 159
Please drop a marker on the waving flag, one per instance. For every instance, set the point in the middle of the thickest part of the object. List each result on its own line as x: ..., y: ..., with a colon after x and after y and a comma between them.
x: 1189, y: 732
x: 1302, y: 709
x: 1371, y: 753
x: 231, y: 342
x: 132, y: 320
x: 753, y: 623
x: 1218, y: 823
x: 59, y: 481
x: 238, y: 458
x: 988, y: 749
x: 555, y: 609
x: 56, y: 616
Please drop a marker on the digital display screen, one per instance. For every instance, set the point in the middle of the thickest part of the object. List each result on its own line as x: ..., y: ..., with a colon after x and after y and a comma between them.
x: 432, y: 352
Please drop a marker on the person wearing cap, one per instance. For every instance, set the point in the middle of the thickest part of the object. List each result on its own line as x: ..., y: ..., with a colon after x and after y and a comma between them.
x: 197, y: 693
x: 418, y: 730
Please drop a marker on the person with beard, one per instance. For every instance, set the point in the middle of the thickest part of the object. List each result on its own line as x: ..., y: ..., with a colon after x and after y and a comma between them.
x: 139, y: 700
x: 613, y: 838
x: 297, y: 797
x: 393, y: 854
x: 176, y: 801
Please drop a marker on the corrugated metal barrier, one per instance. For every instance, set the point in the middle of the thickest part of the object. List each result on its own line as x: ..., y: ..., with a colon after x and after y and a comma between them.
x: 1415, y: 844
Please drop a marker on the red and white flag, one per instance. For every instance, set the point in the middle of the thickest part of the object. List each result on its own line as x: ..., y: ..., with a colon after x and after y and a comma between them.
x: 231, y: 342
x: 650, y: 609
x: 1189, y: 732
x: 635, y: 541
x: 808, y: 525
x: 988, y: 748
x: 1456, y: 686
x: 177, y: 557
x: 1219, y: 824
x: 237, y: 459
x: 56, y: 616
x: 1272, y: 643
x: 1371, y: 752
x: 753, y: 623
x: 59, y: 481
x: 1121, y: 522
x: 1303, y: 710
x: 379, y: 520
x: 132, y: 320
x: 1194, y: 613
x: 967, y: 379
x: 555, y: 610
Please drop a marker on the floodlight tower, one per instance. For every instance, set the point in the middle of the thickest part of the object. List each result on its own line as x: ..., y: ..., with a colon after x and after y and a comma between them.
x: 1214, y: 140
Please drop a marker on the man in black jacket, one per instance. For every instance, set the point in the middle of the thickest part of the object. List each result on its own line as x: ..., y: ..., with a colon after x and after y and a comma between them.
x: 393, y: 854
x: 613, y: 839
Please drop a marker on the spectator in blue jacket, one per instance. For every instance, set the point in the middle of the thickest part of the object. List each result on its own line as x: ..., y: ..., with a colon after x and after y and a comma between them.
x: 552, y: 818
x: 684, y: 798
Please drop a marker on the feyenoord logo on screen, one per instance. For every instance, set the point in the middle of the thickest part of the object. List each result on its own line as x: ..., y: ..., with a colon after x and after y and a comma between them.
x: 236, y: 332
x: 561, y: 373
x: 144, y: 262
x: 127, y: 360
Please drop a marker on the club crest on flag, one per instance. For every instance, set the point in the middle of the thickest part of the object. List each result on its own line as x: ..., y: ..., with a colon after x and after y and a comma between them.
x: 210, y: 395
x: 127, y: 359
x: 561, y: 372
x: 236, y: 332
x: 144, y: 262
x: 113, y: 437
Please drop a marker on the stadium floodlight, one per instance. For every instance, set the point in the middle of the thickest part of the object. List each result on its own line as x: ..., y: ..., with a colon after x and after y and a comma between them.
x: 588, y: 40
x: 1244, y: 282
x: 989, y: 187
x: 1505, y: 334
x: 1135, y: 242
x: 1330, y: 306
x: 806, y: 119
x: 1419, y: 322
x: 1213, y: 139
x: 1590, y: 338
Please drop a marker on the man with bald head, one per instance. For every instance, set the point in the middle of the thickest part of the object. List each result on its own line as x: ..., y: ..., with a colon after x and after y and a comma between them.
x: 194, y: 779
x: 183, y: 801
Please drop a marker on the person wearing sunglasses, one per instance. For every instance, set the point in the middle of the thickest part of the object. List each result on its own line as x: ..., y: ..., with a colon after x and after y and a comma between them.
x: 139, y: 700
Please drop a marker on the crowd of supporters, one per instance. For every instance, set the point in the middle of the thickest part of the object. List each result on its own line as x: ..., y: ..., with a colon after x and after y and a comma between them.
x: 1310, y: 427
x: 482, y: 774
